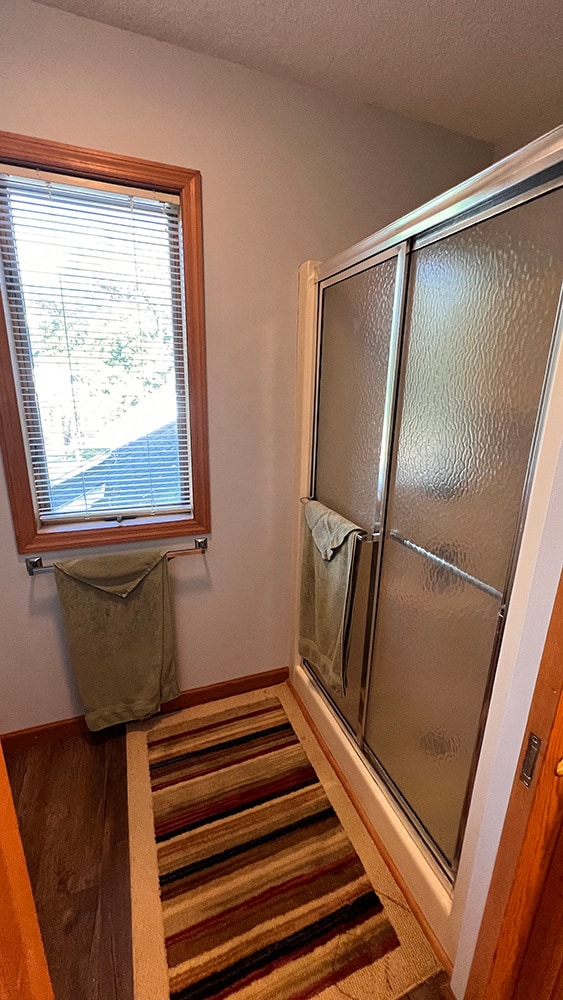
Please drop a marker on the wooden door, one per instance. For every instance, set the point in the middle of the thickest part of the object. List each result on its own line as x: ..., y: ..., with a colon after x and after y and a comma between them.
x: 541, y: 974
x: 23, y: 967
x: 519, y: 954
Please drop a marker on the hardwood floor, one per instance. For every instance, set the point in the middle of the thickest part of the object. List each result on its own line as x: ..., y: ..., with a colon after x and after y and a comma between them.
x: 71, y: 801
x: 434, y: 989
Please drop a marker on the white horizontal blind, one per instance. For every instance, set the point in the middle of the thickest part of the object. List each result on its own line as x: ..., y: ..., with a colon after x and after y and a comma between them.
x: 93, y: 280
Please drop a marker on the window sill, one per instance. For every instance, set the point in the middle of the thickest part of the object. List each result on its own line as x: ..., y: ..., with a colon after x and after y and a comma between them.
x: 72, y: 536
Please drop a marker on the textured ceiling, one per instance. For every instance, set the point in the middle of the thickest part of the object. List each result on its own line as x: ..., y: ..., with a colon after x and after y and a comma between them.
x: 492, y: 69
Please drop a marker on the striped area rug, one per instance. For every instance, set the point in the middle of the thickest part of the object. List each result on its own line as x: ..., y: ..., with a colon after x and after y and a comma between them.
x: 263, y: 895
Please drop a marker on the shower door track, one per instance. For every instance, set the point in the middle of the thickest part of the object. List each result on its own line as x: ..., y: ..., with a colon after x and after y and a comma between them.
x: 530, y: 172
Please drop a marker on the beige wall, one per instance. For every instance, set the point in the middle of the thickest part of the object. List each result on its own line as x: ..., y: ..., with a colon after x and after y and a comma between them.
x: 288, y: 174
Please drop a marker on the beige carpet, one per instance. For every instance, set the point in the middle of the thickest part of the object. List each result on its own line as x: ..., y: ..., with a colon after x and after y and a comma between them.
x: 397, y: 968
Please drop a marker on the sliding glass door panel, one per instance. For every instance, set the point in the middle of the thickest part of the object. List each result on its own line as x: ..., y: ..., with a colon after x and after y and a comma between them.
x: 357, y: 320
x: 433, y: 644
x: 480, y: 315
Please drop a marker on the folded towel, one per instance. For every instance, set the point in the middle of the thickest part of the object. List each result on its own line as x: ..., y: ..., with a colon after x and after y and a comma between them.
x: 118, y: 624
x: 329, y: 547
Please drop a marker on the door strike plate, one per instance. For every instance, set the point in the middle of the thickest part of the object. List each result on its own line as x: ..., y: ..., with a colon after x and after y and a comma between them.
x: 531, y: 756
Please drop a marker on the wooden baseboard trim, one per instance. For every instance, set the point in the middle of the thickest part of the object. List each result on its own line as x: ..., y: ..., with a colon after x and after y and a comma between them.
x: 21, y: 739
x: 64, y: 729
x: 425, y: 926
x: 226, y: 689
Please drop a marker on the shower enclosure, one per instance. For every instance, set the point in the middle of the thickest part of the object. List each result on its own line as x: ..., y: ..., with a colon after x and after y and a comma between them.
x: 434, y: 346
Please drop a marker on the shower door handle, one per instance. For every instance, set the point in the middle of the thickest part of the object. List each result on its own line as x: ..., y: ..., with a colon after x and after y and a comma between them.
x: 444, y: 564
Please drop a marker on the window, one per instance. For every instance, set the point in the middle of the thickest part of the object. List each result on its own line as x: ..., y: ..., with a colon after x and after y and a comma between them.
x: 103, y: 413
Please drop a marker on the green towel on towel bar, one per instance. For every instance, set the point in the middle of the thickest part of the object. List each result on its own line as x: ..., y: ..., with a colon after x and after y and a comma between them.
x: 118, y: 624
x: 329, y: 546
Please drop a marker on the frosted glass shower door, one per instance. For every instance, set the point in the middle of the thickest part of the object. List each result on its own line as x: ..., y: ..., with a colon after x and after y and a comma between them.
x: 358, y: 337
x: 480, y: 315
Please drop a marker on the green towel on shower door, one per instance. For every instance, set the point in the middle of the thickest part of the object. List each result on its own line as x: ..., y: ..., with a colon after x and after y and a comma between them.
x: 329, y: 546
x: 118, y: 624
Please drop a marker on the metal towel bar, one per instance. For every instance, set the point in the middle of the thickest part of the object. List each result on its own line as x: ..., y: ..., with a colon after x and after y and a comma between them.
x: 34, y: 564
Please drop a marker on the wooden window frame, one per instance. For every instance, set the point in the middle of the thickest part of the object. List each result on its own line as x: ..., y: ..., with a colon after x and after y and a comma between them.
x: 31, y: 536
